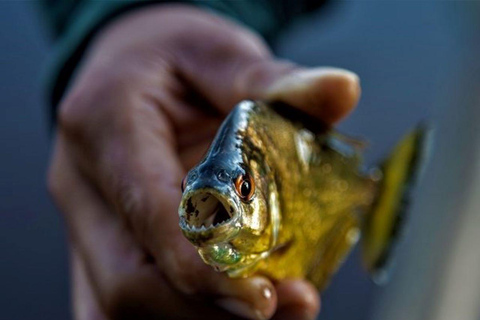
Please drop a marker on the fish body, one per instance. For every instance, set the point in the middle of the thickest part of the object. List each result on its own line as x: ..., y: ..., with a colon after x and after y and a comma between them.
x: 277, y: 197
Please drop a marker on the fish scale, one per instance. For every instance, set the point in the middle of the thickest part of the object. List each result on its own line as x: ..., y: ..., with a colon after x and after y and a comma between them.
x: 320, y: 217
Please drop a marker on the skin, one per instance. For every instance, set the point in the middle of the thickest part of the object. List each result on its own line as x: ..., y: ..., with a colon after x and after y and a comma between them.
x: 145, y: 103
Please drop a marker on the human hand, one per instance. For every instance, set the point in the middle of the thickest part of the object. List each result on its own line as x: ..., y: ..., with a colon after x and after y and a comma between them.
x: 144, y: 106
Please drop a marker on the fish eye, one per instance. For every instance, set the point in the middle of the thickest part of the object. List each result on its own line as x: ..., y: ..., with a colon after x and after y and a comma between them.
x: 245, y: 187
x: 183, y: 185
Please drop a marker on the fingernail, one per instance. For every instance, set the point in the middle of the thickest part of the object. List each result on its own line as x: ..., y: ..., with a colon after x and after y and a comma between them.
x: 240, y: 308
x: 298, y: 80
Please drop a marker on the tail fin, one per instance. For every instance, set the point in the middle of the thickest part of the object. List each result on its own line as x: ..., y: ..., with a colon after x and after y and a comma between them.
x: 400, y: 171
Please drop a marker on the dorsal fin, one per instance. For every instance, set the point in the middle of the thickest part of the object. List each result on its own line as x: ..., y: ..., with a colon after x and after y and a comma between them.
x: 383, y: 225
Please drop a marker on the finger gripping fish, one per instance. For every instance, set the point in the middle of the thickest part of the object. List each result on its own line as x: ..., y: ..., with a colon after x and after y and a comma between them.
x: 278, y: 197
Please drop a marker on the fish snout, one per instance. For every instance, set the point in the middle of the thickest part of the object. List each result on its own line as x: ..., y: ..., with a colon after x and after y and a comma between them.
x: 206, y: 214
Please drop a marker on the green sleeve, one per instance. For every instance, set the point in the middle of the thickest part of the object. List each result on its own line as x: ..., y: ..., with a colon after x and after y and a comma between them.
x: 74, y: 23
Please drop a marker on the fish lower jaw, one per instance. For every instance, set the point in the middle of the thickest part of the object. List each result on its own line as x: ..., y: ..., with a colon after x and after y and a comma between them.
x: 192, y: 228
x: 207, y: 235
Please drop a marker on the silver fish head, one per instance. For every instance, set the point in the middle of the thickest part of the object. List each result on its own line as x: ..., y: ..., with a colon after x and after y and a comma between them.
x: 224, y: 211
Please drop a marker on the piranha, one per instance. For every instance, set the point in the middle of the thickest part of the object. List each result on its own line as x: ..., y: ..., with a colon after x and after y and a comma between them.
x: 280, y: 195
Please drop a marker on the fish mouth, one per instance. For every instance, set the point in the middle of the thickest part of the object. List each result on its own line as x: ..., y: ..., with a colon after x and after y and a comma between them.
x: 207, y: 214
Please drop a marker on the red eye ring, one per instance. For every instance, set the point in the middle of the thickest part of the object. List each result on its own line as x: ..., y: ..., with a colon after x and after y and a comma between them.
x: 245, y: 187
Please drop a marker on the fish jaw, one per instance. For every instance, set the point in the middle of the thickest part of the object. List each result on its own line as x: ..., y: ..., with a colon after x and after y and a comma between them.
x: 208, y: 216
x: 221, y: 256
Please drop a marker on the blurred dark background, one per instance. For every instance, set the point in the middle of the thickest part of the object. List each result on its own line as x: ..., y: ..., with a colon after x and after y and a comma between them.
x: 409, y: 55
x: 33, y: 256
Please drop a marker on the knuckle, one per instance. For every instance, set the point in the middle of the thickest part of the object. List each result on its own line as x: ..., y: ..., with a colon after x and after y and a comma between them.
x: 71, y: 113
x: 97, y: 98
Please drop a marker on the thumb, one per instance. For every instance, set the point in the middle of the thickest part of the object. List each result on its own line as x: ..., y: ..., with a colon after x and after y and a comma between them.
x: 328, y: 94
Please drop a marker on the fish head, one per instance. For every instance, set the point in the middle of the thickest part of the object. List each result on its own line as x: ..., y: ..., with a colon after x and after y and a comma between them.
x: 223, y: 212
